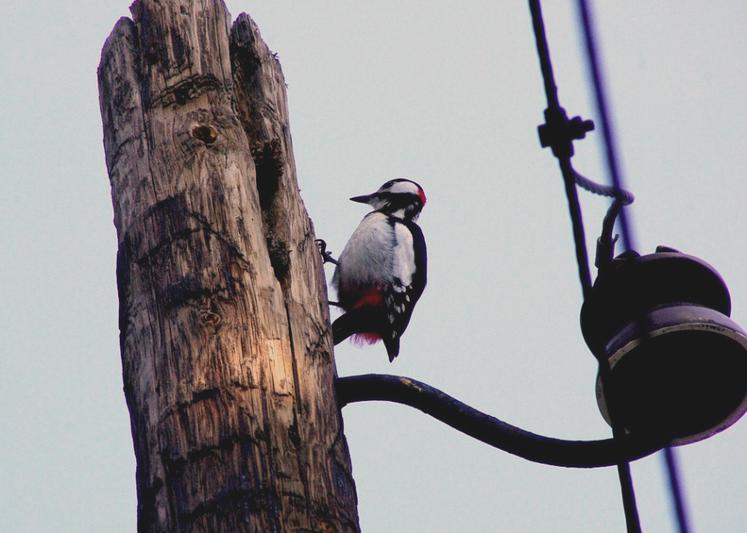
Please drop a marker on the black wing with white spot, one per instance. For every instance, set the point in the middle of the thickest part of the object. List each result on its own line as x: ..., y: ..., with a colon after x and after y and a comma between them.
x: 409, y: 279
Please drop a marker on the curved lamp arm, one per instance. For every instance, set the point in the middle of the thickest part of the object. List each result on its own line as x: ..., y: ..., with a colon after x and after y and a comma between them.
x: 490, y: 430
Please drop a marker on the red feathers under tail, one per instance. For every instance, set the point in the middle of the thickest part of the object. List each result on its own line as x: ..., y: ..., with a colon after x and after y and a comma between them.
x: 368, y: 337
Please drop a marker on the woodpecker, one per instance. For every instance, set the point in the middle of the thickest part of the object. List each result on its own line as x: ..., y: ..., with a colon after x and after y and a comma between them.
x: 381, y: 272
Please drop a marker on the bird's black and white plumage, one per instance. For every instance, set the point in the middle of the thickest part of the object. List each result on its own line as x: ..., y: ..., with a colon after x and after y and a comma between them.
x: 382, y: 269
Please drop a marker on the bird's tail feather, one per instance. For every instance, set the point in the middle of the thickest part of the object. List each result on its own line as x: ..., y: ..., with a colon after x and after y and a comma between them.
x: 364, y: 320
x: 392, y: 348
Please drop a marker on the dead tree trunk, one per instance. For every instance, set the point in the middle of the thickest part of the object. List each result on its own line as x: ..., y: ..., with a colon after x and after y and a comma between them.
x: 226, y: 353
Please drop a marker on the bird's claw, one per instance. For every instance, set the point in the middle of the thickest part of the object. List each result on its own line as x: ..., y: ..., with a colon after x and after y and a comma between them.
x: 326, y: 255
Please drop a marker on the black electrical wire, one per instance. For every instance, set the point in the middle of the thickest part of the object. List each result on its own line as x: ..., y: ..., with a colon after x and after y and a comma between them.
x: 674, y: 485
x: 617, y: 183
x: 563, y: 151
x: 604, y: 116
x: 561, y: 129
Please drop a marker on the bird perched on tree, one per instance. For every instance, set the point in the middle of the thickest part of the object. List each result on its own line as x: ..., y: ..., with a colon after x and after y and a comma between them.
x: 381, y: 272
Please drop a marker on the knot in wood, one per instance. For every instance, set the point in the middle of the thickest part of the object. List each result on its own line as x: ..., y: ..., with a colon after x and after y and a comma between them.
x: 326, y: 527
x: 205, y: 133
x: 210, y: 318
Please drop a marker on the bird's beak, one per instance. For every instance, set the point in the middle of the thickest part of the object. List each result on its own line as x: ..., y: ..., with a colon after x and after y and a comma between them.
x: 363, y: 199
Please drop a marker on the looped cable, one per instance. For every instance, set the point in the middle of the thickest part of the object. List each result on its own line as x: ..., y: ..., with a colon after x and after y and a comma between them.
x: 621, y: 198
x: 620, y: 195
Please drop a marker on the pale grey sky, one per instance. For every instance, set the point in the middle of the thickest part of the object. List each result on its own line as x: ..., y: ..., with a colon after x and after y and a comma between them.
x: 447, y: 93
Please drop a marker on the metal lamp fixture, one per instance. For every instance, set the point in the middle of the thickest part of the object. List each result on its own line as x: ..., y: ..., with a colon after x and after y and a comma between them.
x: 678, y: 363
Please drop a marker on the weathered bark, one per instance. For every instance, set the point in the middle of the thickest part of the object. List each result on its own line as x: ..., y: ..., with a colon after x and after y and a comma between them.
x: 224, y: 327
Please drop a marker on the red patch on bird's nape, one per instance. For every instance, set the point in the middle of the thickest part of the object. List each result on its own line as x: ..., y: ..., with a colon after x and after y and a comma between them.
x: 368, y: 337
x: 371, y: 297
x: 421, y: 194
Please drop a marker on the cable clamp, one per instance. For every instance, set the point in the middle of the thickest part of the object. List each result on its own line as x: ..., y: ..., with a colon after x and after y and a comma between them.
x: 559, y: 132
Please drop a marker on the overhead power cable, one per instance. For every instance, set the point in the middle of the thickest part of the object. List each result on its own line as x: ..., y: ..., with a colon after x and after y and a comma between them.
x: 558, y: 133
x: 613, y: 167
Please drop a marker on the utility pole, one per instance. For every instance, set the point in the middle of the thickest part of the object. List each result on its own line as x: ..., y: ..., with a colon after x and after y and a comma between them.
x: 224, y: 328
